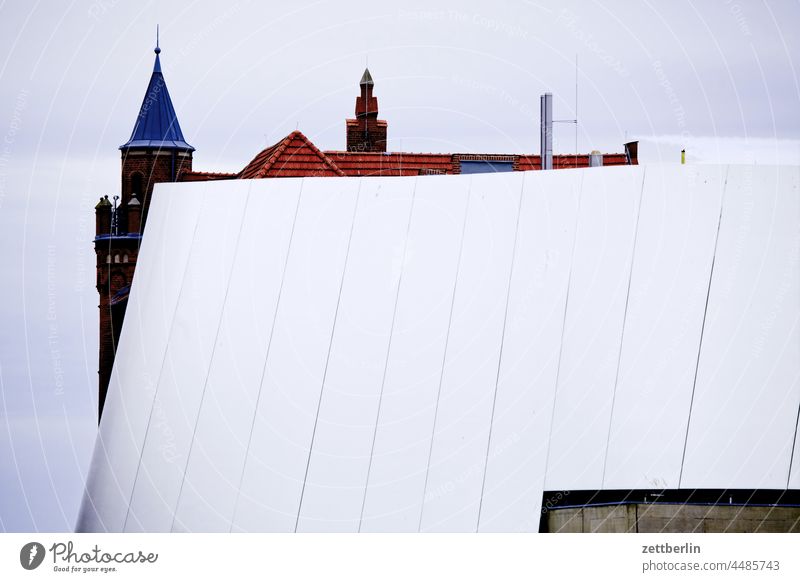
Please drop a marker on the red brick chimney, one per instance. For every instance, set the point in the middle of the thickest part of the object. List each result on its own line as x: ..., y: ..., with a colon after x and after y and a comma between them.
x: 366, y: 133
x: 134, y: 215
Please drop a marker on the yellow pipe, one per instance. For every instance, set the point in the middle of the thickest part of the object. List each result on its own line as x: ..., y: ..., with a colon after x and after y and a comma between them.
x: 683, y: 156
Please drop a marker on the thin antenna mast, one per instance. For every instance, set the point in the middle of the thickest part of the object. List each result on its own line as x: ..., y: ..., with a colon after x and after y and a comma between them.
x: 576, y: 110
x: 575, y: 121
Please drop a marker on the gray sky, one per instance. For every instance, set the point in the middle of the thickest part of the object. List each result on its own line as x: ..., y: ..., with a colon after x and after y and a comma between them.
x: 717, y: 77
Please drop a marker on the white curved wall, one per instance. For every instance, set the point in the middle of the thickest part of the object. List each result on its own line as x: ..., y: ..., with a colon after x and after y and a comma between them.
x: 432, y: 353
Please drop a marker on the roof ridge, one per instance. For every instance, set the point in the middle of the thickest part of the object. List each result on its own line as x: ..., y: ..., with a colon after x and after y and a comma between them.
x: 277, y: 150
x: 320, y: 154
x: 209, y: 173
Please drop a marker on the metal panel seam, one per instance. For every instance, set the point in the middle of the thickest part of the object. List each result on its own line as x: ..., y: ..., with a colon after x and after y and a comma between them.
x: 328, y: 357
x: 211, y: 359
x: 500, y: 356
x: 563, y: 329
x: 388, y: 352
x: 444, y: 354
x: 266, y: 356
x: 624, y: 321
x: 161, y: 369
x: 703, y: 325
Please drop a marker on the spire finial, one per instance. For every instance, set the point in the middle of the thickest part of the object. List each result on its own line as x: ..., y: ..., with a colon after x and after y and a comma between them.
x: 157, y: 64
x: 366, y: 78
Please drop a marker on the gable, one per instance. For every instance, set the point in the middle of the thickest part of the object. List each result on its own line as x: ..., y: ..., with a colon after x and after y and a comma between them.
x: 294, y: 156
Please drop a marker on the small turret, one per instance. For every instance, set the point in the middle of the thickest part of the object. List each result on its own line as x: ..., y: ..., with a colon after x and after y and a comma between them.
x: 134, y: 215
x: 102, y: 212
x: 156, y: 151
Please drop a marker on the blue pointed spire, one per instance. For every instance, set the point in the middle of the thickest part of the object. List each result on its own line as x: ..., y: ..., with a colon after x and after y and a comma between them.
x: 157, y: 124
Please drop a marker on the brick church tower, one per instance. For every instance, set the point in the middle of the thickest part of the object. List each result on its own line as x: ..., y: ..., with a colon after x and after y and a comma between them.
x: 366, y: 133
x: 156, y: 152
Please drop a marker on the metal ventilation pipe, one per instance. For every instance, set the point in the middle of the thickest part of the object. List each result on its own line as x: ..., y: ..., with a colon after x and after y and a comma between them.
x: 546, y: 127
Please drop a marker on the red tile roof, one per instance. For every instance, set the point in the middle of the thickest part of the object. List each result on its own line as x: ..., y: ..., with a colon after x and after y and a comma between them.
x: 564, y: 161
x: 391, y: 163
x: 295, y: 155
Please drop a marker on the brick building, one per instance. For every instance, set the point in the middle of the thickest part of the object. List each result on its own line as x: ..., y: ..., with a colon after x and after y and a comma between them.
x: 157, y: 152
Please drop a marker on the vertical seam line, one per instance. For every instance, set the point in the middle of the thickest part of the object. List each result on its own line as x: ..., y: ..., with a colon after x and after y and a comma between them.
x: 500, y: 356
x: 622, y: 331
x: 563, y: 330
x: 388, y: 351
x: 211, y: 359
x: 444, y: 354
x: 163, y: 360
x: 266, y: 356
x: 703, y: 325
x: 328, y: 357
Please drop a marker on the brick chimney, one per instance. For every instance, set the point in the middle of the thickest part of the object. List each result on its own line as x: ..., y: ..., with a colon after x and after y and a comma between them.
x: 134, y: 215
x: 366, y: 133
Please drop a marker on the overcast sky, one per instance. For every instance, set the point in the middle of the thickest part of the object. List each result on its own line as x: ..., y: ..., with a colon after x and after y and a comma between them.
x: 717, y: 77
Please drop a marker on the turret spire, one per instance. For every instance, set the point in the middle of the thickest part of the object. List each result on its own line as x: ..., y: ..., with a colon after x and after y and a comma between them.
x: 366, y: 78
x: 157, y: 124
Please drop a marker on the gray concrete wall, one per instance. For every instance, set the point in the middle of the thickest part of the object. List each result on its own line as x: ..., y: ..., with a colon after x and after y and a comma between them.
x: 655, y: 518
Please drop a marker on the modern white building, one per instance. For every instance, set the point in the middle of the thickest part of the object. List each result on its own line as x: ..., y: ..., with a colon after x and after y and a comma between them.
x: 434, y: 353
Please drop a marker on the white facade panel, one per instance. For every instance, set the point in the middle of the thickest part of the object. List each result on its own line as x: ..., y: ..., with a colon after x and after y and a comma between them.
x: 174, y: 211
x: 512, y: 493
x: 191, y: 341
x: 671, y: 273
x: 794, y: 477
x: 601, y: 269
x: 216, y: 461
x: 289, y: 395
x: 464, y: 403
x: 405, y: 420
x: 744, y: 414
x: 340, y: 453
